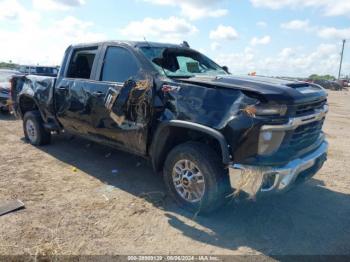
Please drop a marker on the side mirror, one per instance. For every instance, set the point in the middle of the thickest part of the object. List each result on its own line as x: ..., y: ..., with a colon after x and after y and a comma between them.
x: 225, y: 68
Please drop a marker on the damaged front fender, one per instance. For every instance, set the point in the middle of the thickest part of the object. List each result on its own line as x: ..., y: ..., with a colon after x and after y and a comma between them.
x: 219, y: 110
x: 163, y: 136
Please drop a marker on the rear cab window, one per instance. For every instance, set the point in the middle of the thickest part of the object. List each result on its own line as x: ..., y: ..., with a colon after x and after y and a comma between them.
x: 81, y: 63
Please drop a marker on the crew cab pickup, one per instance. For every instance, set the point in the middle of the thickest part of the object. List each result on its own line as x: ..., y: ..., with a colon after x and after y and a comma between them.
x: 192, y: 119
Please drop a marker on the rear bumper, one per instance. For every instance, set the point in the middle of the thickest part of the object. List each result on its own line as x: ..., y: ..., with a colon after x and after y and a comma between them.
x: 280, y: 179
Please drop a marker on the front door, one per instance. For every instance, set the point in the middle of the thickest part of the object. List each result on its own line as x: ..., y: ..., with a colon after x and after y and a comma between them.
x: 116, y: 106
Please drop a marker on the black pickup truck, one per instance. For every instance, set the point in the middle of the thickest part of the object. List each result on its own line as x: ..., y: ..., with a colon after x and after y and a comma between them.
x: 192, y: 119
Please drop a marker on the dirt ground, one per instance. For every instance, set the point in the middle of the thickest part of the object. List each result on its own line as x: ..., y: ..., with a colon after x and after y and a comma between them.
x: 83, y: 198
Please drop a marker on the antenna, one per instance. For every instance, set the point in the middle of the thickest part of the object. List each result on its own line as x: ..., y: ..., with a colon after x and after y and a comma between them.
x: 341, y: 59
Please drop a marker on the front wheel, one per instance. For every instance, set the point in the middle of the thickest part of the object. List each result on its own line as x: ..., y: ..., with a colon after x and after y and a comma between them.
x: 34, y: 130
x: 196, y: 178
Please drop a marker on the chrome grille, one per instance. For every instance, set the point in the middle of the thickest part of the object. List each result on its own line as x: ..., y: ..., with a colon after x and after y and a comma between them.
x: 310, y: 108
x: 305, y: 135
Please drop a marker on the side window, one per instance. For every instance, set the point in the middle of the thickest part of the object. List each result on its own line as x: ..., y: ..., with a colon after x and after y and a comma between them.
x: 81, y: 63
x: 119, y: 65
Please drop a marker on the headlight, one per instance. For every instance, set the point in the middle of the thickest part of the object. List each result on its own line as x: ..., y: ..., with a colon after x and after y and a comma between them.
x: 266, y: 110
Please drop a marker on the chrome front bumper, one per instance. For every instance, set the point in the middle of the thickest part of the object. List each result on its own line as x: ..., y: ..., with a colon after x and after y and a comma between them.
x: 285, y: 176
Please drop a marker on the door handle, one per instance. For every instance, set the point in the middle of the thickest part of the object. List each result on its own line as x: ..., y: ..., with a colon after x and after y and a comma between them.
x: 98, y: 94
x: 63, y: 88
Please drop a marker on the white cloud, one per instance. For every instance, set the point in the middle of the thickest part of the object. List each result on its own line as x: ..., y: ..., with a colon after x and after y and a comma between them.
x: 296, y: 25
x: 57, y: 4
x: 173, y: 29
x: 73, y: 30
x: 43, y: 43
x: 287, y: 52
x: 324, y: 32
x: 238, y: 63
x: 195, y: 9
x: 260, y: 41
x: 288, y: 62
x: 339, y: 8
x: 215, y: 46
x: 328, y: 7
x: 274, y: 4
x: 261, y: 24
x: 9, y: 10
x: 12, y: 10
x: 334, y: 33
x: 194, y: 13
x: 224, y: 33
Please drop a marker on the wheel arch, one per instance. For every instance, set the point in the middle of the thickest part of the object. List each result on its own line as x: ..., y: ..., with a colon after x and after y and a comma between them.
x: 27, y: 103
x: 172, y: 133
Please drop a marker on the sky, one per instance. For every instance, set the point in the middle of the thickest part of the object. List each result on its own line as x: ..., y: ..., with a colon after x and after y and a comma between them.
x: 269, y: 37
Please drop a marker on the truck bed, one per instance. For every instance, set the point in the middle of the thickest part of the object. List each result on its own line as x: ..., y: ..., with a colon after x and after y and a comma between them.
x: 39, y: 87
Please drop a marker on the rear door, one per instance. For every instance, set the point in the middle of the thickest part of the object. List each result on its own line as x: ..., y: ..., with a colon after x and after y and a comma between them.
x: 118, y: 64
x: 73, y: 91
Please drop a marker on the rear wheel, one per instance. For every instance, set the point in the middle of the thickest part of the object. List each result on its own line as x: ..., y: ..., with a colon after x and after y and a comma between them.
x: 195, y: 177
x: 34, y: 130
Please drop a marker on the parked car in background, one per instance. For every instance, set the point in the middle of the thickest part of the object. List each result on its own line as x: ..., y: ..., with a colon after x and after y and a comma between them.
x: 39, y: 70
x: 5, y: 77
x: 336, y: 85
x: 327, y: 84
x: 344, y: 82
x: 324, y: 83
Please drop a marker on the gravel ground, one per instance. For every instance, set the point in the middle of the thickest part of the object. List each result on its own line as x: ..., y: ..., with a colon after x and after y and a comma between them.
x: 83, y: 198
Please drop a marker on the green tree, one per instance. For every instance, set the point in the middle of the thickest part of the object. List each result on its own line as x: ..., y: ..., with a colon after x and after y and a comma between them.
x: 321, y: 77
x: 8, y: 65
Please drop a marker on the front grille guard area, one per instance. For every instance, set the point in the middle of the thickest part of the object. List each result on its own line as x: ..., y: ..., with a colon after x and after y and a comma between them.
x: 303, y: 136
x: 280, y: 178
x: 301, y: 132
x: 295, y: 122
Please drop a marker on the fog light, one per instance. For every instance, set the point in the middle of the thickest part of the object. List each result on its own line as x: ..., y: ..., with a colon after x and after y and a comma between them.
x: 267, y: 136
x: 269, y: 142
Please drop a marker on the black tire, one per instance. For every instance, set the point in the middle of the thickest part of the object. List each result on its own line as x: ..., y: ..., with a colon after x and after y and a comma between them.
x: 216, y: 178
x: 42, y: 137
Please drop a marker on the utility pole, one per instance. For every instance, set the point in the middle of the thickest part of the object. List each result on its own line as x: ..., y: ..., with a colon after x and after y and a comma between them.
x: 341, y: 59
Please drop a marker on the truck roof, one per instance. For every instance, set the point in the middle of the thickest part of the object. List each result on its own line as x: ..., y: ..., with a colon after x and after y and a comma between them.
x: 130, y: 43
x: 46, y: 66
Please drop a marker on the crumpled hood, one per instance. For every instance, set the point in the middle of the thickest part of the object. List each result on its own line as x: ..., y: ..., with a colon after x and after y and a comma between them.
x: 279, y: 90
